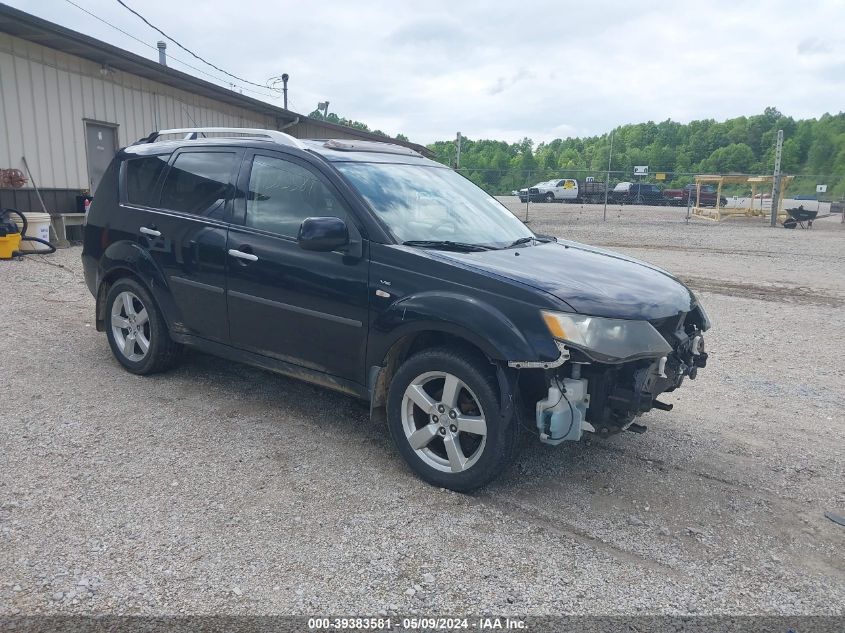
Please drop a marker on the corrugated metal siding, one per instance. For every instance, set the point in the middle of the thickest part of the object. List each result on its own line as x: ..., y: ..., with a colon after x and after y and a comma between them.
x: 46, y: 95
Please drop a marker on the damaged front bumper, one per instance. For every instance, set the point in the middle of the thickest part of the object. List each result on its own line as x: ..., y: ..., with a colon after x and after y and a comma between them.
x: 586, y: 396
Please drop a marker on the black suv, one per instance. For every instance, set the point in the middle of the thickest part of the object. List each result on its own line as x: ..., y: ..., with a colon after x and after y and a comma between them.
x: 638, y: 193
x: 369, y: 269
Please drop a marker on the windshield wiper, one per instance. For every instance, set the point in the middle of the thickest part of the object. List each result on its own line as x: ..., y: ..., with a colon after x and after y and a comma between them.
x: 521, y: 240
x: 448, y: 244
x: 543, y: 239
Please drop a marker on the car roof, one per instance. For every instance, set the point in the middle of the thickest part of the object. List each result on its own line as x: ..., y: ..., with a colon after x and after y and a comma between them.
x: 332, y: 150
x: 342, y: 150
x: 143, y: 148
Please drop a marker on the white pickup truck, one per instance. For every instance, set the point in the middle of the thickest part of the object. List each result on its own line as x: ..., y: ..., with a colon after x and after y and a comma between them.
x: 563, y: 190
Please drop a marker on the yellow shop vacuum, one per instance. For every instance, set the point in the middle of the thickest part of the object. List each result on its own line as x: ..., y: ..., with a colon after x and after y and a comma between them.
x: 11, y: 236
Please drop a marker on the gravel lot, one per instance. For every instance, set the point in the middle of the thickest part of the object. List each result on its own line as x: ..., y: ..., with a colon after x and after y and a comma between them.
x: 218, y: 488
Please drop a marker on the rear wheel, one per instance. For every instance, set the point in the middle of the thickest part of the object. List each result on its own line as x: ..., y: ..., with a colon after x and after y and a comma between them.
x: 445, y: 417
x: 136, y: 330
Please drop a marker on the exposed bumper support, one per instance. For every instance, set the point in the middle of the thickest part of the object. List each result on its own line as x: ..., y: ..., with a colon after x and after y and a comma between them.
x: 533, y: 364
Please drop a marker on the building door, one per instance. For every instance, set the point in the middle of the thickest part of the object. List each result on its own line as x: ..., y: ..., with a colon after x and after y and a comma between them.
x: 101, y: 145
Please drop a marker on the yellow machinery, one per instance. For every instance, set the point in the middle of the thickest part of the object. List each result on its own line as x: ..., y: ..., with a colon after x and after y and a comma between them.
x: 753, y: 209
x: 11, y: 236
x: 10, y: 239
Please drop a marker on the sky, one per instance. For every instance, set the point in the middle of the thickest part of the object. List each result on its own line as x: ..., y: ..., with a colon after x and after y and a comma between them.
x: 501, y: 70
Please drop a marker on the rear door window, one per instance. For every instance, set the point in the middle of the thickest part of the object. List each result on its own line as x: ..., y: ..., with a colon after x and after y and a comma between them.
x: 199, y: 183
x: 141, y: 179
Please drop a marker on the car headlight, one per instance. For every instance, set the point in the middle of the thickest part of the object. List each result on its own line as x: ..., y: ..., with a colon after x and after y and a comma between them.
x: 607, y: 339
x: 705, y: 320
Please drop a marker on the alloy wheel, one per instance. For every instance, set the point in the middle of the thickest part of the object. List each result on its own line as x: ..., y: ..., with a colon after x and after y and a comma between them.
x: 443, y: 422
x: 130, y: 326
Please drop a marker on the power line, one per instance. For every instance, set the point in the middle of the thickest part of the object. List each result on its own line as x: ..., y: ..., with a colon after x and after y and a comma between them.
x: 187, y: 50
x: 176, y: 59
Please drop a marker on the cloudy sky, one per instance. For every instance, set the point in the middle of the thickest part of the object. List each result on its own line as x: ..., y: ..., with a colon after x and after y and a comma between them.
x: 502, y: 70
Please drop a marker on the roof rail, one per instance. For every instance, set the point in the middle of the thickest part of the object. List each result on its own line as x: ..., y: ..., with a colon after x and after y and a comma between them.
x: 191, y: 133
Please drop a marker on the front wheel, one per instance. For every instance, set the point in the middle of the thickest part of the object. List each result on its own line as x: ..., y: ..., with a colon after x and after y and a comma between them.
x: 445, y: 417
x: 550, y: 197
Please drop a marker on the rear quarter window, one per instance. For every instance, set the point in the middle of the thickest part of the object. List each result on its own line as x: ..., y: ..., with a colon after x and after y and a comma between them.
x: 142, y: 176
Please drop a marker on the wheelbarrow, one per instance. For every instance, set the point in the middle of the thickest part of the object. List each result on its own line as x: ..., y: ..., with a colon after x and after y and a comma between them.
x: 800, y: 217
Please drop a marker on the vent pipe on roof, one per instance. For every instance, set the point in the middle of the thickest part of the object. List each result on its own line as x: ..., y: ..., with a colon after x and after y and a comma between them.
x: 285, y: 78
x: 162, y: 55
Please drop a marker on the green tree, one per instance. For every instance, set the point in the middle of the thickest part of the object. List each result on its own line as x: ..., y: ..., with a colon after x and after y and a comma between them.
x: 743, y: 144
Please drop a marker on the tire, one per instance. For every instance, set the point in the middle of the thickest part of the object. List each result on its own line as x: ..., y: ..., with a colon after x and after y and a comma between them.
x: 133, y: 323
x: 468, y: 443
x: 550, y: 197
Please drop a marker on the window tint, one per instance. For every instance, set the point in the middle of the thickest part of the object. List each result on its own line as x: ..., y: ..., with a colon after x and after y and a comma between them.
x: 141, y: 177
x: 198, y: 182
x: 282, y: 194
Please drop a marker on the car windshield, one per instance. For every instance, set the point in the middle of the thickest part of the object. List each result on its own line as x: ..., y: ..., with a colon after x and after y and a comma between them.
x: 421, y: 203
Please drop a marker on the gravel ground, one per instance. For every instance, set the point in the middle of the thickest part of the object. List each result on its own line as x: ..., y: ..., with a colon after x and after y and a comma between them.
x: 219, y: 488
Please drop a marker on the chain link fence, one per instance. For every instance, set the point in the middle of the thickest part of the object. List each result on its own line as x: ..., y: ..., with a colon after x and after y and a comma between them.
x: 825, y: 193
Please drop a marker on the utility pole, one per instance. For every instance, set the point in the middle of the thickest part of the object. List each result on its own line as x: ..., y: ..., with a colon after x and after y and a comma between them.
x: 274, y: 81
x: 607, y: 180
x: 458, y: 153
x: 776, y: 180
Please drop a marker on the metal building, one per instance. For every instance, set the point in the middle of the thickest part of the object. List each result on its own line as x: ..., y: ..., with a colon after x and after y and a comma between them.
x: 68, y: 101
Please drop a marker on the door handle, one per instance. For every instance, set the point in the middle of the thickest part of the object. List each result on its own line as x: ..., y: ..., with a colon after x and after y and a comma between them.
x: 150, y: 232
x: 241, y: 255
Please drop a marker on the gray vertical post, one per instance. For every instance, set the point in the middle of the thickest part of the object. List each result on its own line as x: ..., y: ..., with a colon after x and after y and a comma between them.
x: 607, y: 179
x: 689, y: 205
x: 776, y: 181
x: 527, y: 194
x: 285, y: 78
x: 458, y: 153
x: 162, y: 55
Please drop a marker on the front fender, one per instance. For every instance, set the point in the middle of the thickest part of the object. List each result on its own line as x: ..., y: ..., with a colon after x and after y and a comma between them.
x: 484, y: 325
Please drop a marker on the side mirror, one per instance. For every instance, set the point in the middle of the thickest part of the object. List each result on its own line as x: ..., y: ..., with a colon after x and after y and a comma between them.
x: 322, y: 234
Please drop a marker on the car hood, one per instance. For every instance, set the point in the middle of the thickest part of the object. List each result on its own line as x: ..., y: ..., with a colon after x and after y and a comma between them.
x: 590, y: 280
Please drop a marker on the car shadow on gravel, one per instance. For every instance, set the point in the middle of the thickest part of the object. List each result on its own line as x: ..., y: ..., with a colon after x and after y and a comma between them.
x: 252, y: 393
x: 271, y: 395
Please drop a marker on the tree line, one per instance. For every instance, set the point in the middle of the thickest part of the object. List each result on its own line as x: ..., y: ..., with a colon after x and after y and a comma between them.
x: 814, y: 148
x: 331, y: 117
x: 744, y: 145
